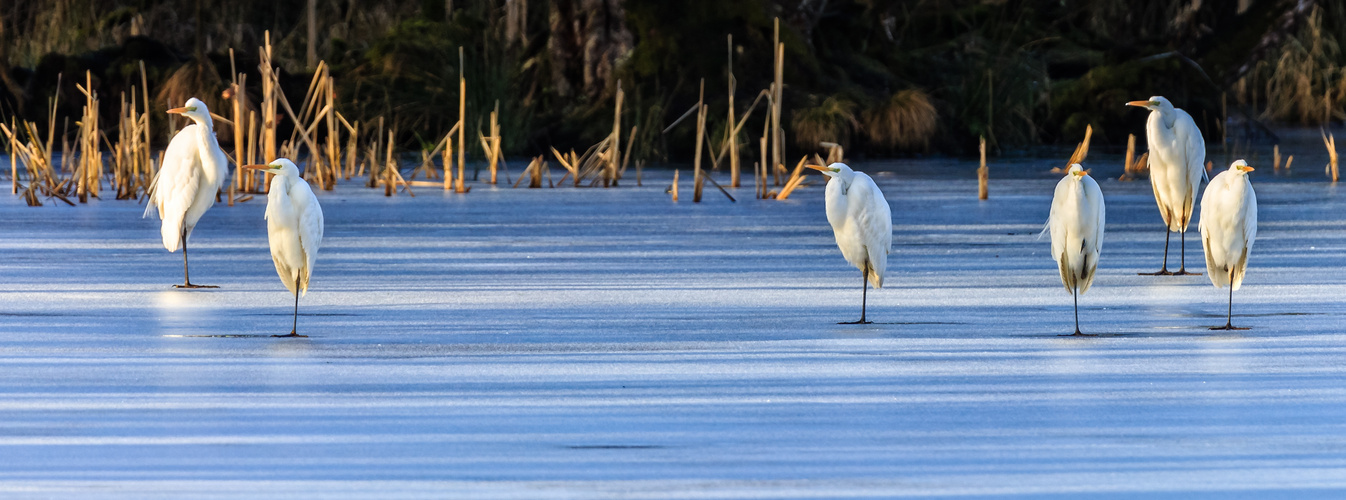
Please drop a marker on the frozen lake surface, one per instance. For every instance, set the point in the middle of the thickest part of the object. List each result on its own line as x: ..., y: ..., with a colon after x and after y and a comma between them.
x: 563, y: 343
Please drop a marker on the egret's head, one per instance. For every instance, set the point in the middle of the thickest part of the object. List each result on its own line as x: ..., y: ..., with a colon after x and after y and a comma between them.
x: 1241, y: 167
x: 195, y: 109
x: 1154, y: 103
x: 834, y: 170
x: 281, y: 166
x: 1077, y: 170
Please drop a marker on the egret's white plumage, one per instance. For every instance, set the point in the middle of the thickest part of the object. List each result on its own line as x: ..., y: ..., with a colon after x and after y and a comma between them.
x: 1076, y: 224
x: 193, y: 169
x: 1228, y: 228
x: 861, y: 220
x: 1177, y: 156
x: 294, y: 226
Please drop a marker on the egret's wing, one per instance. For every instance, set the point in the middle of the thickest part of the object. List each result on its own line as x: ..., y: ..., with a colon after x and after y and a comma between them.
x: 1247, y: 217
x: 874, y: 223
x: 310, y: 228
x: 178, y: 180
x: 1093, y: 238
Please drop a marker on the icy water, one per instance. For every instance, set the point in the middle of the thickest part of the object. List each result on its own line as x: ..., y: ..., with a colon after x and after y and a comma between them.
x: 563, y: 343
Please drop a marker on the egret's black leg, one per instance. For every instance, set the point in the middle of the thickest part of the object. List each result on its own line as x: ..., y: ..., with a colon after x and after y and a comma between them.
x: 1163, y: 271
x: 1075, y: 293
x: 1229, y: 316
x: 187, y: 277
x: 295, y: 327
x: 864, y: 298
x: 1182, y: 269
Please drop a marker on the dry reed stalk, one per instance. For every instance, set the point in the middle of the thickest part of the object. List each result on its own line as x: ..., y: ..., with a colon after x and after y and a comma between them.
x: 1081, y: 151
x: 352, y: 150
x: 570, y: 169
x: 1330, y: 142
x: 1130, y: 157
x: 675, y: 185
x: 492, y: 144
x: 1141, y: 165
x: 91, y: 157
x: 389, y: 166
x: 757, y: 180
x: 777, y: 130
x: 640, y: 168
x: 700, y: 139
x: 1276, y: 157
x: 373, y: 154
x: 626, y: 157
x: 724, y: 148
x: 796, y: 178
x: 268, y: 108
x: 1288, y: 161
x: 462, y: 123
x: 614, y: 153
x: 983, y: 173
x: 333, y: 152
x: 527, y: 172
x: 730, y: 136
x: 761, y: 172
x: 250, y: 177
x: 446, y: 158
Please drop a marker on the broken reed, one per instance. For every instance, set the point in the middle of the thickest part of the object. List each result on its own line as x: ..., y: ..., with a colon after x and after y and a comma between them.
x: 983, y: 174
x: 1329, y: 141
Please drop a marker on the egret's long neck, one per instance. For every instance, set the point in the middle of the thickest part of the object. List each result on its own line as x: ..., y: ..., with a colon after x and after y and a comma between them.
x: 1167, y: 116
x: 216, y: 166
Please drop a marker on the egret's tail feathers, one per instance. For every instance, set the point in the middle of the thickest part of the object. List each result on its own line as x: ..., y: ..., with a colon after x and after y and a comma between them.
x: 171, y: 231
x: 1240, y: 267
x: 875, y: 279
x: 1067, y: 277
x: 1087, y: 269
x: 150, y: 205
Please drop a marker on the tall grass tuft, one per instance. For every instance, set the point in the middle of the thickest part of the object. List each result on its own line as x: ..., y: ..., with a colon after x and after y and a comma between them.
x: 832, y: 120
x: 905, y: 120
x: 1305, y: 83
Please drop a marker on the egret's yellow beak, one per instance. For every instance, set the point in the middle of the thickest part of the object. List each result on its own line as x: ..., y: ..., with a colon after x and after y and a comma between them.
x: 178, y: 111
x: 1079, y: 173
x: 1246, y: 168
x: 257, y: 167
x: 818, y: 168
x: 1141, y: 104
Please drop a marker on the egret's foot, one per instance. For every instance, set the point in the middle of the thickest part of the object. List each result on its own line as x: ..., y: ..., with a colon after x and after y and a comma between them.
x: 291, y: 335
x: 1183, y: 272
x: 189, y: 285
x: 861, y: 322
x: 1078, y: 334
x: 1161, y: 272
x: 1228, y: 327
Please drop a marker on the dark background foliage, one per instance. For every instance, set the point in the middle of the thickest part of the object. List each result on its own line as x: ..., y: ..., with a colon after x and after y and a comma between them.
x: 884, y: 77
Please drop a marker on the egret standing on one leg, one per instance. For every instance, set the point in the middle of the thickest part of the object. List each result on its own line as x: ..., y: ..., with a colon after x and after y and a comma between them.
x: 294, y: 228
x: 862, y: 222
x: 1177, y: 157
x: 1228, y: 228
x: 1076, y: 224
x: 194, y: 167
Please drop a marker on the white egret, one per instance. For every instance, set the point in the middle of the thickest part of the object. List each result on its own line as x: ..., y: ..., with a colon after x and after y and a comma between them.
x: 193, y: 169
x: 1076, y: 224
x: 862, y: 223
x: 1177, y: 159
x: 1228, y: 228
x: 294, y: 226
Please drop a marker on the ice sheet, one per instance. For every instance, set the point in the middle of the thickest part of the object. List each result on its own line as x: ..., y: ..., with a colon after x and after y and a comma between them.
x: 588, y: 343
